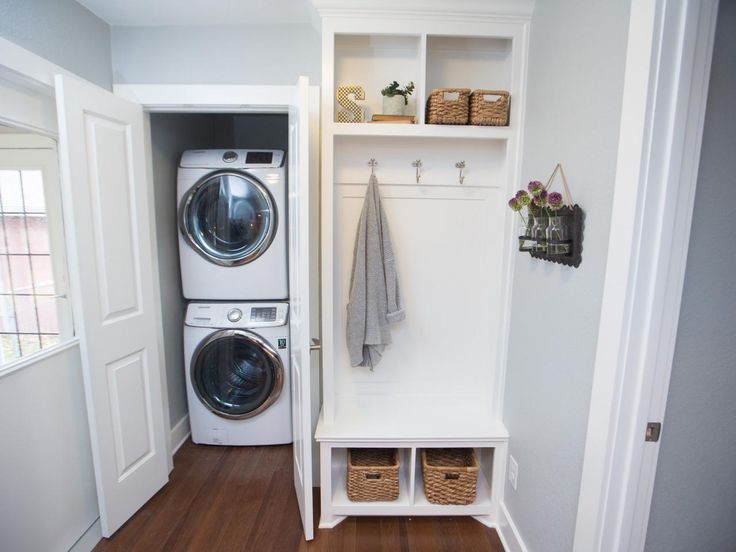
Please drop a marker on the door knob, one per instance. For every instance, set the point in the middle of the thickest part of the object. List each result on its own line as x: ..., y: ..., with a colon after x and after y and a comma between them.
x: 316, y: 345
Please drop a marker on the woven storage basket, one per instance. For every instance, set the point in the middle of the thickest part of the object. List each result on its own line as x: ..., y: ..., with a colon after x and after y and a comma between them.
x: 489, y: 112
x: 443, y: 111
x: 450, y: 475
x: 373, y: 475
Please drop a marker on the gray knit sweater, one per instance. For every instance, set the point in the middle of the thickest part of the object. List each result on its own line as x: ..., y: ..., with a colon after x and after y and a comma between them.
x: 374, y: 286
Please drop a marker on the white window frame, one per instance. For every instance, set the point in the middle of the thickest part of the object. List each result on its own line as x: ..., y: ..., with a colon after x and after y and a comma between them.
x: 24, y: 151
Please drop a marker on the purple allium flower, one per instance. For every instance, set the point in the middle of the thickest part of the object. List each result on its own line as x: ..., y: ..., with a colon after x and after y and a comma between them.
x: 535, y: 187
x: 555, y: 200
x: 520, y: 194
x: 514, y: 204
x: 540, y: 200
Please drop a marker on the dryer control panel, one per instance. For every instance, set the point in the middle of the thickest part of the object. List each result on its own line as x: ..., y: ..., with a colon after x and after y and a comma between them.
x: 232, y: 158
x: 237, y: 315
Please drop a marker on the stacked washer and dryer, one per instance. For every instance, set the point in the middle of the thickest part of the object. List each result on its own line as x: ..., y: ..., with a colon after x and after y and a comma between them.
x: 234, y: 271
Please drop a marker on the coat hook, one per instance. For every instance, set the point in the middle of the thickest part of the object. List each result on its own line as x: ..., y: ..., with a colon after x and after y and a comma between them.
x: 372, y: 163
x: 417, y: 165
x: 460, y: 165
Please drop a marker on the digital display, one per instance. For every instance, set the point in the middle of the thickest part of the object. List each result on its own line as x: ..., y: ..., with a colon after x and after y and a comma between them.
x: 263, y: 314
x: 259, y: 158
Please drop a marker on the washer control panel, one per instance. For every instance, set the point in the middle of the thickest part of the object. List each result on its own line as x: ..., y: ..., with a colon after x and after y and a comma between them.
x: 237, y: 315
x: 263, y: 314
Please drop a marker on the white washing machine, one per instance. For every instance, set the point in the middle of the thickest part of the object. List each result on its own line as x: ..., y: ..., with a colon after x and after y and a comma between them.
x: 237, y: 371
x: 232, y: 225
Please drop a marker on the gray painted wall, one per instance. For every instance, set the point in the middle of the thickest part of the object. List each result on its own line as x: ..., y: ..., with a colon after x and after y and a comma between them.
x: 264, y: 54
x: 694, y: 503
x: 48, y: 498
x: 63, y: 32
x: 171, y: 134
x: 576, y: 69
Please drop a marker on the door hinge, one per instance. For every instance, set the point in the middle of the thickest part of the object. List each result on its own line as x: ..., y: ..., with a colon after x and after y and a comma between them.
x: 653, y: 431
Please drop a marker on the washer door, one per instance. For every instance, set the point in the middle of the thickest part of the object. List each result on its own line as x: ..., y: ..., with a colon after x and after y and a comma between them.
x: 229, y: 218
x: 237, y: 374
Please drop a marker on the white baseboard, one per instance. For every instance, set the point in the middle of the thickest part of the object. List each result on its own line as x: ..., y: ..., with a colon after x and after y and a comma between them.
x: 180, y: 433
x: 89, y: 539
x: 508, y: 532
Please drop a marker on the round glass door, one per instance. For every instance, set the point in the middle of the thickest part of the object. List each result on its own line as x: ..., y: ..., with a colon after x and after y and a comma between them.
x: 237, y: 374
x: 229, y: 218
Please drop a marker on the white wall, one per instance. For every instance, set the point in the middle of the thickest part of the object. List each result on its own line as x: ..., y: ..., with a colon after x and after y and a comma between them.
x: 242, y: 54
x: 574, y: 95
x: 694, y: 502
x: 47, y: 487
x: 63, y: 32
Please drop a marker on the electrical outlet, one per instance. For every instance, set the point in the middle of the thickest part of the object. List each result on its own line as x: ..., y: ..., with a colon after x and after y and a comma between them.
x: 513, y: 471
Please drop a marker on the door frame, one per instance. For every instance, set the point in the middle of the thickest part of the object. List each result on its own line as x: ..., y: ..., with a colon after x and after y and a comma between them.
x: 670, y: 46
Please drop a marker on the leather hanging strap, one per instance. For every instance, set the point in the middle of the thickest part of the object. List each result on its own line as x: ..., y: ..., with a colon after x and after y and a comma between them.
x: 566, y: 189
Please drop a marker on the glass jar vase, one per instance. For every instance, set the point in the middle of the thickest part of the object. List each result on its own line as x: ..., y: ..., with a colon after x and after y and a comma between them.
x: 558, y: 236
x: 539, y: 234
x: 526, y: 237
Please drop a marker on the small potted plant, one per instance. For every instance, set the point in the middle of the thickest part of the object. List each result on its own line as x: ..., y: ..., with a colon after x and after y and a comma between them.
x: 395, y: 98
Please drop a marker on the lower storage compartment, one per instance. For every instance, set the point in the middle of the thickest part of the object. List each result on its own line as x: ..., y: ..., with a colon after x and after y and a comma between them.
x: 373, y: 474
x: 450, y: 475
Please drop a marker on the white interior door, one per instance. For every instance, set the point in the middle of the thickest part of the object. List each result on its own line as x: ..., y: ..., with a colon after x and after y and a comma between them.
x: 299, y: 289
x: 112, y: 269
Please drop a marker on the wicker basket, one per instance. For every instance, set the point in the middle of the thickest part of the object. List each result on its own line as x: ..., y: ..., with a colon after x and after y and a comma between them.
x: 450, y: 475
x: 489, y: 112
x: 373, y: 475
x: 443, y: 111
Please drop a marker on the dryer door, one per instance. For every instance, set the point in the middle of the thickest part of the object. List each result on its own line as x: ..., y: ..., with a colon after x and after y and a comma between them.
x: 237, y: 374
x: 229, y: 218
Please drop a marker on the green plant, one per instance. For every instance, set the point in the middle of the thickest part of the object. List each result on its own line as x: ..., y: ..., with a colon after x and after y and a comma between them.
x: 394, y: 89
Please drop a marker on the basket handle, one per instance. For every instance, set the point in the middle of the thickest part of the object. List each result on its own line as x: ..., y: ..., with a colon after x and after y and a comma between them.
x: 500, y: 93
x: 452, y: 476
x: 373, y: 476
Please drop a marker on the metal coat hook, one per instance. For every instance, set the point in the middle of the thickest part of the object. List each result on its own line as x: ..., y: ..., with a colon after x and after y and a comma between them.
x: 372, y: 164
x: 460, y: 165
x: 417, y: 165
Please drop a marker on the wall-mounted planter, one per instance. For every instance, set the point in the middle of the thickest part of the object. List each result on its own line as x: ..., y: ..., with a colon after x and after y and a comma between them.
x: 557, y: 238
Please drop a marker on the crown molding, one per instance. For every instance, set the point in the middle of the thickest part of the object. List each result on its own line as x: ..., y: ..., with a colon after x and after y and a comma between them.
x: 457, y: 9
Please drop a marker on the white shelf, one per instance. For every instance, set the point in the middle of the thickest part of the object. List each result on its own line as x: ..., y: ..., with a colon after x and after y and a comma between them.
x: 413, y: 426
x: 421, y: 131
x: 412, y: 501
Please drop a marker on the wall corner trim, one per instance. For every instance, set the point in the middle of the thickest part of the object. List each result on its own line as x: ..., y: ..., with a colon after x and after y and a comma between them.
x: 180, y: 433
x: 508, y: 532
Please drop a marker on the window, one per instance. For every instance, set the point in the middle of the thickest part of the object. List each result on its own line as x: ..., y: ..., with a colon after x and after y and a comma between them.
x: 34, y: 311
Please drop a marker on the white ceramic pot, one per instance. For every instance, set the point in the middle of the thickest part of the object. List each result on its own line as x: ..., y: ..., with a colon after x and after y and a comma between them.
x: 393, y: 105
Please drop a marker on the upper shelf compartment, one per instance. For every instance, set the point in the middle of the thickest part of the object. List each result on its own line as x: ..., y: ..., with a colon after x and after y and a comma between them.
x: 373, y: 62
x: 468, y: 62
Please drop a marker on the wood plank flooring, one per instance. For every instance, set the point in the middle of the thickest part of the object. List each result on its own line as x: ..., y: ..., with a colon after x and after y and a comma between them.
x: 242, y: 499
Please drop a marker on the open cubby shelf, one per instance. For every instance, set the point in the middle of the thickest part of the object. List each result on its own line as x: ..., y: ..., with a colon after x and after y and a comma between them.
x: 412, y: 499
x: 430, y: 61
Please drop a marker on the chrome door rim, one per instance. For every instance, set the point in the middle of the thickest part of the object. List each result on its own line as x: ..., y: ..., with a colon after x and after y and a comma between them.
x: 267, y: 348
x: 255, y: 253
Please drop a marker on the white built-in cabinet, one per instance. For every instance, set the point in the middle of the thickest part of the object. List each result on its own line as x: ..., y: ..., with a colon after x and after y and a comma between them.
x: 440, y: 384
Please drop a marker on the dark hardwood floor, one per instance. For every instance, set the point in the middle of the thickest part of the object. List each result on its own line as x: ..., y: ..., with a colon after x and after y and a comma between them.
x: 242, y: 499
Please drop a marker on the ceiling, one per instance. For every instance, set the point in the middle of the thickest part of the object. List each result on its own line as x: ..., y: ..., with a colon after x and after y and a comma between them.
x: 201, y: 12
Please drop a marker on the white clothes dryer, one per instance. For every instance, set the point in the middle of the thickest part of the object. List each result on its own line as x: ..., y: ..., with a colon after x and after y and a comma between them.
x: 232, y: 225
x: 237, y: 373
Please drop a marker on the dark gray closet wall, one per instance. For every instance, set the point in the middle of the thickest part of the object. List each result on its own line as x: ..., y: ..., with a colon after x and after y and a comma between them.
x: 172, y: 134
